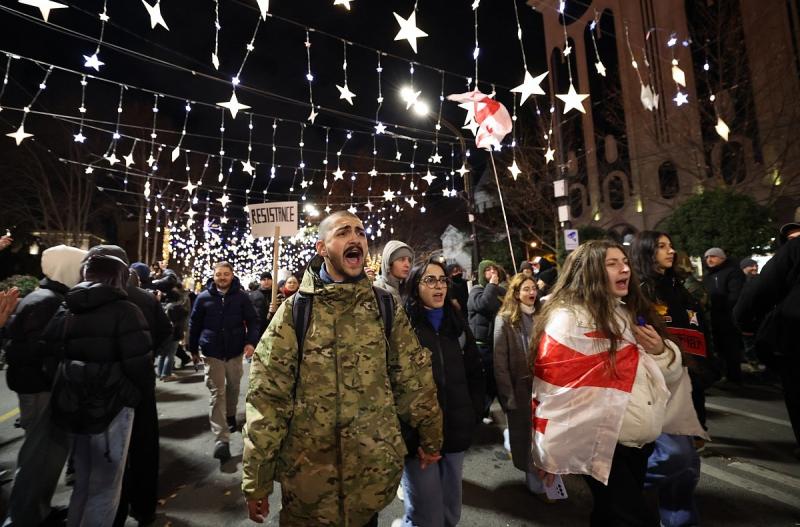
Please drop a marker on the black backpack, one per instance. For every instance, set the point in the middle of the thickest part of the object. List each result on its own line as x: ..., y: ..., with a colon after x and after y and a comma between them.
x: 301, y: 316
x: 86, y: 396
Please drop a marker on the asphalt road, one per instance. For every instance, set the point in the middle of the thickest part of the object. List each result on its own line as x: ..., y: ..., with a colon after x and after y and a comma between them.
x: 749, y: 474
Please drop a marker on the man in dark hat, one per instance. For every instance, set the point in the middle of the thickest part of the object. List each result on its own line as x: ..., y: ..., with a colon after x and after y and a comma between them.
x: 262, y: 299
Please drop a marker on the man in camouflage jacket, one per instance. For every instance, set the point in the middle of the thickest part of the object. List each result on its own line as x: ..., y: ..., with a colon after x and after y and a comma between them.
x: 330, y: 435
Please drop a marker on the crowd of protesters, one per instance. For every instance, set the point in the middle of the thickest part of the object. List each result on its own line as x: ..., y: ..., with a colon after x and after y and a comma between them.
x: 364, y: 387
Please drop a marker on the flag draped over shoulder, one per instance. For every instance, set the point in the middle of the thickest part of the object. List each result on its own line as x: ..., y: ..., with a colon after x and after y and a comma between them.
x: 578, y: 402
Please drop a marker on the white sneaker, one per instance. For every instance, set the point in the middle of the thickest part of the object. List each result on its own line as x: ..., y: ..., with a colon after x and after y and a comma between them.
x: 397, y: 522
x: 400, y: 495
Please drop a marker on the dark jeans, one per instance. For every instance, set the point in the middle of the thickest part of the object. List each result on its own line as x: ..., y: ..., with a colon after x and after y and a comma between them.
x: 622, y: 502
x: 698, y: 398
x: 790, y: 378
x: 140, y: 484
x: 487, y: 361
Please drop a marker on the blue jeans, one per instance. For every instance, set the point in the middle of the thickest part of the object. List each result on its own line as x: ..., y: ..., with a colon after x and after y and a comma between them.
x: 674, y: 470
x: 166, y: 356
x: 433, y: 496
x: 99, y: 466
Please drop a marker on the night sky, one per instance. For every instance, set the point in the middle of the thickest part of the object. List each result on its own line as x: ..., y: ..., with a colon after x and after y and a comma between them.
x: 273, y: 83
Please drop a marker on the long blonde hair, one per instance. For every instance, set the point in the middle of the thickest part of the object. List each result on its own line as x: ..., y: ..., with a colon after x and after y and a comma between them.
x: 510, y: 309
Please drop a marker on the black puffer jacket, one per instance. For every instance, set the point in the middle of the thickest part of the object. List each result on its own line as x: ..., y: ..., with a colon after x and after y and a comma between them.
x: 23, y: 353
x: 460, y: 383
x: 724, y: 284
x: 158, y: 323
x: 106, y: 335
x: 484, y: 303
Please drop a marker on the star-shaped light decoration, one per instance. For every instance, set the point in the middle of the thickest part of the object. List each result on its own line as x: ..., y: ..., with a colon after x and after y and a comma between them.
x: 151, y: 161
x: 430, y: 178
x: 600, y: 67
x: 263, y: 5
x: 373, y: 172
x: 128, y: 159
x: 411, y: 201
x: 338, y: 174
x: 472, y: 126
x: 549, y: 155
x: 225, y: 199
x: 572, y: 99
x: 92, y: 62
x: 567, y: 50
x: 345, y: 93
x: 398, y: 155
x: 248, y: 167
x: 44, y: 6
x: 104, y: 17
x: 648, y: 97
x: 681, y: 99
x: 388, y: 195
x: 191, y: 212
x: 20, y: 135
x: 380, y: 128
x: 215, y: 61
x: 514, y: 169
x: 79, y: 137
x: 155, y: 15
x: 352, y: 209
x: 345, y: 3
x: 313, y: 115
x: 190, y: 188
x: 233, y: 105
x: 112, y: 159
x: 369, y: 205
x: 721, y: 128
x: 436, y: 158
x: 463, y: 170
x: 531, y: 85
x: 88, y: 170
x: 223, y: 220
x: 327, y: 209
x: 175, y: 153
x: 409, y: 30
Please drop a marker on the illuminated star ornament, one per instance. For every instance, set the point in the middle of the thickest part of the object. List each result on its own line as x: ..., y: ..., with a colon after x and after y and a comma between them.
x: 514, y: 169
x: 263, y: 5
x: 338, y: 174
x: 225, y: 199
x: 648, y: 97
x: 463, y: 170
x: 409, y: 30
x: 233, y: 105
x: 313, y: 115
x: 20, y: 135
x: 530, y: 86
x: 721, y: 128
x: 380, y: 128
x: 44, y: 6
x: 247, y: 167
x: 128, y: 159
x: 681, y: 99
x: 550, y: 155
x: 436, y: 159
x: 345, y: 3
x: 93, y: 62
x: 346, y: 94
x: 430, y: 178
x: 112, y: 159
x: 573, y: 100
x: 155, y: 15
x: 388, y: 195
x: 190, y: 188
x: 79, y: 137
x: 600, y: 67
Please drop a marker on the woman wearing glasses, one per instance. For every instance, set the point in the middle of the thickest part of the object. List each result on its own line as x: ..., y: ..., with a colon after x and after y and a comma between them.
x: 433, y: 495
x: 513, y: 333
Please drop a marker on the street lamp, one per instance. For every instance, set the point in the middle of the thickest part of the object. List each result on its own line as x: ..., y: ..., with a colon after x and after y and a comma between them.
x: 421, y: 108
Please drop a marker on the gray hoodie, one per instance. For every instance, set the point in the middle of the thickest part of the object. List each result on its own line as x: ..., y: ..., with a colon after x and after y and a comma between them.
x: 62, y: 263
x: 386, y: 280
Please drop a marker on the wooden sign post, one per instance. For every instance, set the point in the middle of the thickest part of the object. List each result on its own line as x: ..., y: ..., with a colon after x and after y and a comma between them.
x: 276, y: 220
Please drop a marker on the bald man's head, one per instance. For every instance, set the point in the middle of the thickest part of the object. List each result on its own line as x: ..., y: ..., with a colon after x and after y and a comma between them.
x: 343, y: 244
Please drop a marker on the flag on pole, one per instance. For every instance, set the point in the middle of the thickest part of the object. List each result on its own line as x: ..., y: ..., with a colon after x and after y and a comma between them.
x: 491, y: 117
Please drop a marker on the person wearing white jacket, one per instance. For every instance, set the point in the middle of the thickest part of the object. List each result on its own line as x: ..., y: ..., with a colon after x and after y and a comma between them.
x: 602, y: 377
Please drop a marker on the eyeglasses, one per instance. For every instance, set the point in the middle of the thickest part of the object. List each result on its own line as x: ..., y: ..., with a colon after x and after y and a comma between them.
x: 431, y: 281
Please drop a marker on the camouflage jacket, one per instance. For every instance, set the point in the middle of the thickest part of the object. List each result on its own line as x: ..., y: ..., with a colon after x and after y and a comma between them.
x: 336, y: 448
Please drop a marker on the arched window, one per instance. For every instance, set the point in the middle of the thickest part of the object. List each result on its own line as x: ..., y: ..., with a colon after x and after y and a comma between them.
x: 732, y: 163
x: 616, y: 193
x: 668, y: 180
x: 576, y: 202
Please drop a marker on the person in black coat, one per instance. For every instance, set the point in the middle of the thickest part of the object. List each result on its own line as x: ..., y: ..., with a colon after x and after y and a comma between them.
x: 458, y: 287
x: 483, y: 304
x: 61, y: 266
x: 262, y: 300
x: 223, y: 325
x: 776, y: 292
x: 433, y: 495
x: 105, y: 370
x: 723, y: 282
x: 139, y: 496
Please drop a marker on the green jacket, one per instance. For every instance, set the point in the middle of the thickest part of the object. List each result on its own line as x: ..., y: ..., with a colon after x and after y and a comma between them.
x: 336, y: 449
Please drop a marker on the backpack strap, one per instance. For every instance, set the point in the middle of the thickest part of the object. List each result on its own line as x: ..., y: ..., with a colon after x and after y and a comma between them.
x: 301, y: 316
x: 386, y: 307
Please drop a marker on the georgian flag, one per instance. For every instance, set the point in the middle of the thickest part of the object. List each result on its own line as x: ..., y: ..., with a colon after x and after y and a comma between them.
x: 492, y: 118
x: 578, y: 403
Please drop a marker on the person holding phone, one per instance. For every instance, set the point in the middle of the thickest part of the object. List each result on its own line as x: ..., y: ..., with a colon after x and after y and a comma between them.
x: 600, y: 387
